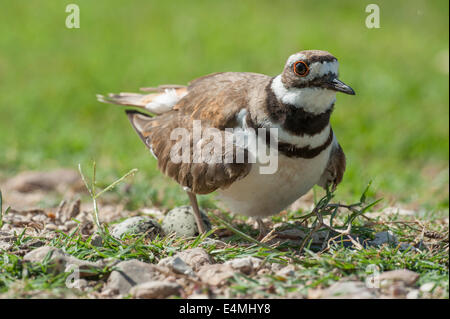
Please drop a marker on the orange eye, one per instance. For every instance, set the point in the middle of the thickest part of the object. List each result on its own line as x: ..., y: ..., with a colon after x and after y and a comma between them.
x: 301, y: 68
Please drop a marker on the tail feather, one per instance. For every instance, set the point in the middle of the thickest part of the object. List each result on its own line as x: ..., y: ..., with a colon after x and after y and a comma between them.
x: 157, y: 103
x: 130, y: 99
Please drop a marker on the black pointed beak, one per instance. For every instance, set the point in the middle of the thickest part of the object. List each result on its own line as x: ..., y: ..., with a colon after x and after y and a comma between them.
x: 340, y: 86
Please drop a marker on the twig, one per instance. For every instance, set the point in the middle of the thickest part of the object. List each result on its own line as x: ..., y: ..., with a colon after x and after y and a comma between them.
x: 238, y: 232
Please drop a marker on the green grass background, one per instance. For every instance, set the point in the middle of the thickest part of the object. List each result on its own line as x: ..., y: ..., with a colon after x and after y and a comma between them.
x: 394, y: 131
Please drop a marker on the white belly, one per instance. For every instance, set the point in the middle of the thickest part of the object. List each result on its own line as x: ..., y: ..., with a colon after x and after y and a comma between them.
x: 267, y: 194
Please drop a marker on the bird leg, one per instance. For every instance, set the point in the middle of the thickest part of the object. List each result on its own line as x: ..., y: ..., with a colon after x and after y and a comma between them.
x: 197, y: 215
x: 262, y: 229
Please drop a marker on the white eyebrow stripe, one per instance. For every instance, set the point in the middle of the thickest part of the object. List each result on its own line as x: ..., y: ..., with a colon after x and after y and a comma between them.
x: 318, y: 69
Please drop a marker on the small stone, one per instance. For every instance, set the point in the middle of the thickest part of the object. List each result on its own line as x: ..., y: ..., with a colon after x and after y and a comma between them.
x: 385, y: 237
x: 427, y: 287
x: 155, y: 290
x: 5, y: 246
x: 80, y: 284
x: 70, y: 224
x: 66, y: 212
x: 177, y: 265
x: 50, y: 227
x: 38, y: 255
x: 195, y: 257
x: 7, y: 237
x: 287, y: 271
x: 180, y: 267
x: 245, y: 265
x: 347, y: 290
x: 6, y: 227
x: 181, y: 221
x: 136, y: 226
x: 97, y: 240
x: 407, y: 276
x: 263, y: 271
x: 128, y: 274
x: 59, y: 261
x: 215, y: 275
x: 413, y: 294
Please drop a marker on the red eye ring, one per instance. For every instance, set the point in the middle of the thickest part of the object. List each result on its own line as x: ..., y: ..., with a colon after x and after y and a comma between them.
x: 301, y: 68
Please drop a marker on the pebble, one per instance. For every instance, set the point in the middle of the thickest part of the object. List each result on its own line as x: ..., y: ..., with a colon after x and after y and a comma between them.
x: 80, y: 284
x: 70, y: 224
x: 427, y: 287
x: 177, y: 265
x: 195, y: 257
x: 136, y: 226
x: 97, y: 240
x: 130, y: 273
x: 181, y: 221
x: 66, y: 212
x: 347, y: 290
x: 59, y: 261
x: 215, y: 275
x: 50, y: 227
x: 155, y: 290
x: 287, y: 271
x: 385, y: 237
x: 413, y: 294
x: 407, y: 276
x: 5, y: 246
x: 245, y: 264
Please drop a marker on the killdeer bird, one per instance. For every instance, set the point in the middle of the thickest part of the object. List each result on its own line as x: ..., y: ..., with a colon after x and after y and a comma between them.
x: 296, y: 103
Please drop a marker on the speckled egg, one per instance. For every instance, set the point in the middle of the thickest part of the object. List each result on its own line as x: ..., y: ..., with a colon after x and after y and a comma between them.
x: 181, y: 221
x: 137, y: 225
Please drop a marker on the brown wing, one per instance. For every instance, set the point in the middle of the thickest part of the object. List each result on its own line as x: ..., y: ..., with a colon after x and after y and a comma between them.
x: 334, y: 172
x: 214, y: 100
x: 202, y: 177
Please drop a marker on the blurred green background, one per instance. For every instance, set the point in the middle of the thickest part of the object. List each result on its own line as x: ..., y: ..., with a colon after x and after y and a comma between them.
x: 394, y: 131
